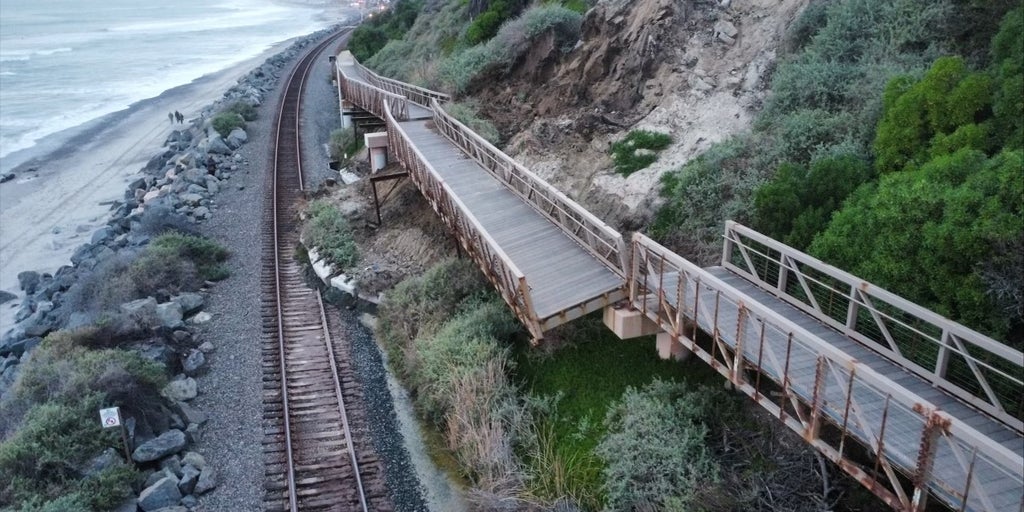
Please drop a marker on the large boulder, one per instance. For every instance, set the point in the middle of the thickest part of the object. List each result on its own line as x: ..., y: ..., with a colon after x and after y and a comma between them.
x: 207, y: 480
x: 194, y: 362
x: 142, y: 311
x: 181, y: 390
x: 191, y: 199
x: 169, y: 314
x: 189, y: 478
x: 236, y: 138
x: 6, y: 296
x: 172, y: 441
x: 164, y: 493
x: 28, y: 280
x: 216, y: 145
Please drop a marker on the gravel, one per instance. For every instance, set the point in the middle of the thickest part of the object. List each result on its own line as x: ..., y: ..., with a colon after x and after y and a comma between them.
x: 231, y: 388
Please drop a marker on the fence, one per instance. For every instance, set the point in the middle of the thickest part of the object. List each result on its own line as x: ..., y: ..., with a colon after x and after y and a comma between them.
x: 811, y: 381
x: 970, y: 365
x: 589, y: 231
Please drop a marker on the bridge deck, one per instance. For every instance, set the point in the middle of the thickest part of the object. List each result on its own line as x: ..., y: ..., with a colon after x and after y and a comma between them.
x: 902, y: 438
x: 560, y: 272
x: 416, y: 111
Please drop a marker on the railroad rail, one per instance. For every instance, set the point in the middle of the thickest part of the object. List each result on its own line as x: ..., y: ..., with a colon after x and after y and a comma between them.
x: 313, y: 460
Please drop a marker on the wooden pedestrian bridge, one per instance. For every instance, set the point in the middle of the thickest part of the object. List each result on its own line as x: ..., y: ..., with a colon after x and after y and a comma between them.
x: 908, y: 402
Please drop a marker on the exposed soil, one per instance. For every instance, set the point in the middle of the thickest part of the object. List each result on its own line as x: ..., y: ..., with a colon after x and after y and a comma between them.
x: 664, y: 65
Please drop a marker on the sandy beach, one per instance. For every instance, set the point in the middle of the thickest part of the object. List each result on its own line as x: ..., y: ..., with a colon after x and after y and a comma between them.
x: 57, y: 201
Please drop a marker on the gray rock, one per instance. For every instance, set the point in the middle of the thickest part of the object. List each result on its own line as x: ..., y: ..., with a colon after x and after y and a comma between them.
x: 169, y: 314
x: 207, y: 480
x: 102, y: 235
x: 189, y: 478
x: 212, y: 184
x: 142, y: 311
x: 201, y: 212
x: 190, y: 501
x: 172, y: 441
x: 193, y: 433
x: 191, y: 199
x: 23, y: 346
x: 6, y: 296
x: 201, y: 318
x: 190, y: 414
x: 28, y: 306
x: 194, y: 176
x: 13, y: 335
x: 194, y: 459
x: 181, y: 390
x: 7, y: 176
x: 162, y: 494
x: 216, y: 146
x: 726, y: 28
x: 38, y: 324
x: 8, y: 362
x: 78, y: 319
x: 194, y: 362
x: 28, y: 280
x: 237, y: 137
x: 206, y: 347
x: 173, y: 464
x: 190, y: 302
x: 130, y: 505
x: 156, y: 476
x: 197, y: 189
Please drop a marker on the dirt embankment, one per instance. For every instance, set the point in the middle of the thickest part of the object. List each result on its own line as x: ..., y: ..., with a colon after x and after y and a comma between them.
x: 697, y: 70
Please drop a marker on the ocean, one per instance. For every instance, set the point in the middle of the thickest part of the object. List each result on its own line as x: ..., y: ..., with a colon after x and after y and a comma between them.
x: 64, y: 63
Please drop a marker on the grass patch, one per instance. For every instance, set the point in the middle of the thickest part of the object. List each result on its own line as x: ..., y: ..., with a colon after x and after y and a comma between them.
x: 329, y: 232
x: 247, y: 111
x: 638, y: 150
x: 587, y: 377
x: 468, y: 113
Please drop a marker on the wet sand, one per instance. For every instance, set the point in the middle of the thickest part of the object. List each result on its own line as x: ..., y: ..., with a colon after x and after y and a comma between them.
x: 57, y: 201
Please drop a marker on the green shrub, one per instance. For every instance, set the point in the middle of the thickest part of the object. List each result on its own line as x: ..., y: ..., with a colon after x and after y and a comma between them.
x: 40, y: 461
x: 329, y: 232
x: 344, y: 144
x: 638, y: 150
x: 374, y: 33
x: 208, y: 256
x: 247, y: 111
x: 510, y: 43
x: 227, y: 121
x: 467, y: 112
x: 656, y: 450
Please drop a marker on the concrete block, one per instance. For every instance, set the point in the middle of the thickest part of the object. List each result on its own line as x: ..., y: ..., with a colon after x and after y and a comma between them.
x: 344, y: 283
x: 376, y: 140
x: 628, y: 323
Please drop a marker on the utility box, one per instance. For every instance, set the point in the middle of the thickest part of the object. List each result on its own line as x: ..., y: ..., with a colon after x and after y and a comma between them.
x: 628, y: 323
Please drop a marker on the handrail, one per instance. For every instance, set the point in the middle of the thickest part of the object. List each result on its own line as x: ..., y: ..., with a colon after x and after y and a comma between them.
x: 978, y: 369
x: 416, y: 94
x: 841, y: 389
x: 372, y: 98
x: 497, y: 266
x: 592, y: 233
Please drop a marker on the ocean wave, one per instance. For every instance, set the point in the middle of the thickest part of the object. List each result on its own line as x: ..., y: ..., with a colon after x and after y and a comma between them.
x: 53, y: 51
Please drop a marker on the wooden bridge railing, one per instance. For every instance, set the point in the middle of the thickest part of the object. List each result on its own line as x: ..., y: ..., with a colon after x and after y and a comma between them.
x: 496, y: 265
x: 373, y: 99
x: 987, y: 374
x: 413, y: 93
x: 604, y: 242
x: 813, y: 381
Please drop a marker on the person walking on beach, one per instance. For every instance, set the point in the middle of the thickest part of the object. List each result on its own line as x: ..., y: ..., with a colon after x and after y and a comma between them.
x: 179, y: 117
x: 170, y: 115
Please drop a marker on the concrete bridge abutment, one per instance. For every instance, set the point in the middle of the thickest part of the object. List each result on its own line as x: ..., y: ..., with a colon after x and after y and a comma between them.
x: 628, y: 323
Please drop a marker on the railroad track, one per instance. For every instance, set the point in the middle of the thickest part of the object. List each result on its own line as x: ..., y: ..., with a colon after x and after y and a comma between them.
x: 317, y: 454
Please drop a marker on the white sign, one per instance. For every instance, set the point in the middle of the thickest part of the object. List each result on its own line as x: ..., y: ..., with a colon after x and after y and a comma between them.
x: 110, y: 417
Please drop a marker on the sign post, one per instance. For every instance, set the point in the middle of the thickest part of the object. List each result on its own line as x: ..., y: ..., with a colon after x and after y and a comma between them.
x: 110, y: 418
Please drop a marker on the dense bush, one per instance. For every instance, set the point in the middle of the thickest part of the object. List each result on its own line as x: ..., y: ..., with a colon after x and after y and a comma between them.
x: 227, y: 121
x: 247, y: 111
x: 344, y: 144
x: 486, y: 25
x: 638, y: 150
x: 329, y: 232
x: 40, y: 463
x: 656, y: 450
x: 467, y: 113
x: 374, y: 33
x: 512, y: 40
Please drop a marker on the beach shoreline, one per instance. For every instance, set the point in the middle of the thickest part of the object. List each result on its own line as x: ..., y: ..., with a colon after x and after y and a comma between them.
x: 60, y: 197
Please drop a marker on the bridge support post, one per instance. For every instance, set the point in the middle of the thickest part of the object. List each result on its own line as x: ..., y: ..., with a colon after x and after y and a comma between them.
x: 627, y: 322
x: 669, y: 347
x: 346, y: 113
